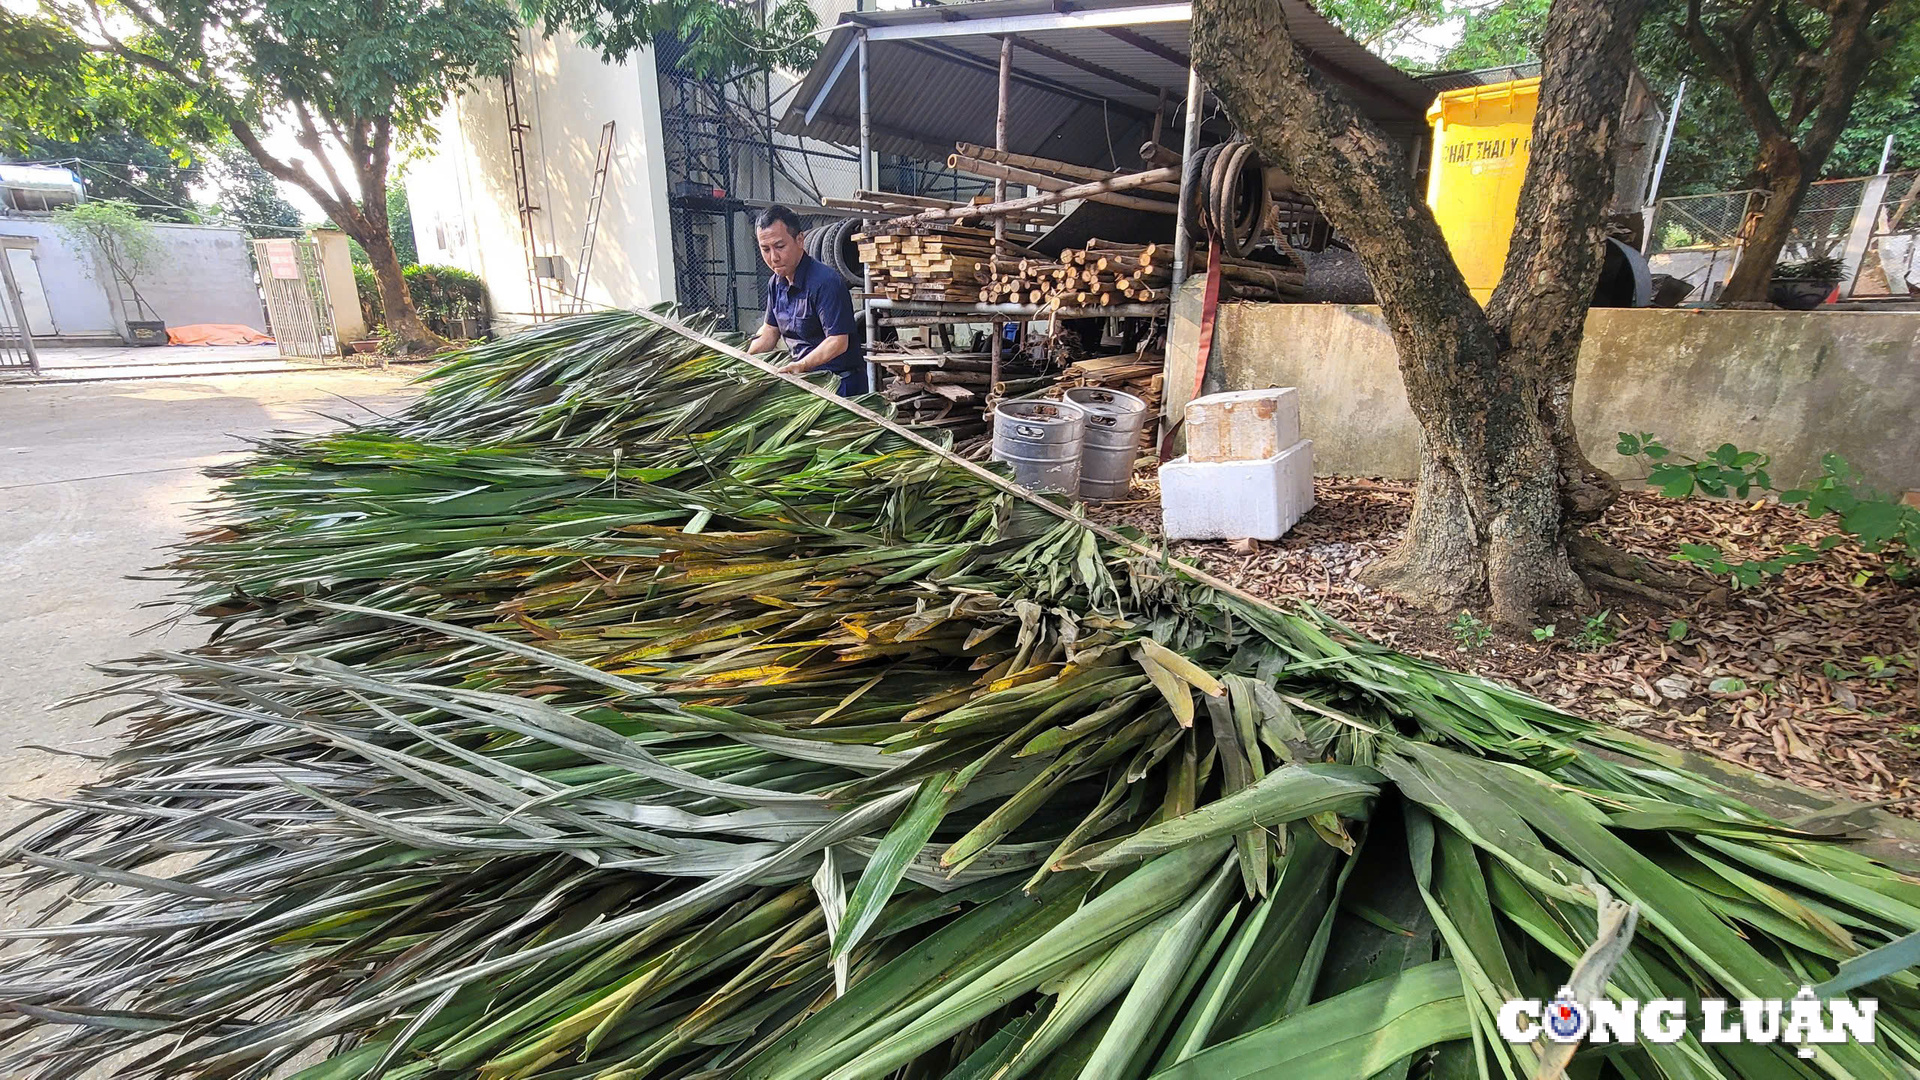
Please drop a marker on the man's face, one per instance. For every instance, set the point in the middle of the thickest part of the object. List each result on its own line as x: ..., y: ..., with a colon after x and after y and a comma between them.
x: 780, y: 247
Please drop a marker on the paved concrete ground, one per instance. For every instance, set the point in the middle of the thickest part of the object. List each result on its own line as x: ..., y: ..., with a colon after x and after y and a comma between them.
x: 67, y: 363
x: 96, y: 479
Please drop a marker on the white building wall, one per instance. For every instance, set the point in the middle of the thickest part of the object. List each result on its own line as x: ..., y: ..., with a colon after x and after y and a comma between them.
x: 462, y: 191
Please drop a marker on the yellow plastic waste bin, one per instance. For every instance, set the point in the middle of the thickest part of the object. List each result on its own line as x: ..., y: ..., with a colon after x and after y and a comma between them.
x: 1481, y: 139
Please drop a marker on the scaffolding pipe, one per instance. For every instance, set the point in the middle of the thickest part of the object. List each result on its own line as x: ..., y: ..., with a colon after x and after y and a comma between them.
x: 867, y: 184
x: 1190, y: 145
x: 1659, y: 168
x: 1000, y: 183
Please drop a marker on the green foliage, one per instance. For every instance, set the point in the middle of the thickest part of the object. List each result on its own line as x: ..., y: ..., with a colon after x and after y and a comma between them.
x: 1714, y: 146
x: 157, y: 181
x: 705, y: 38
x: 56, y: 90
x: 113, y: 228
x: 1596, y: 633
x: 368, y: 290
x: 1677, y: 629
x: 400, y: 223
x: 445, y: 291
x: 1874, y: 522
x: 1469, y: 631
x: 617, y: 710
x: 1543, y: 633
x: 1492, y: 35
x: 247, y: 195
x: 1821, y: 269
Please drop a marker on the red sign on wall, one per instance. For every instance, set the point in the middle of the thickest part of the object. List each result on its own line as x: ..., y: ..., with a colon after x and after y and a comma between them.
x: 282, y: 260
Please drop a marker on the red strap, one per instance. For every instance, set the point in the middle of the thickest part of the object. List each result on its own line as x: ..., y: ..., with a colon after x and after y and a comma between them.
x: 1209, y: 307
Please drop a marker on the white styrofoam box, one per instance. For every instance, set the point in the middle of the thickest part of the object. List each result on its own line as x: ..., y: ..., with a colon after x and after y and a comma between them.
x: 1243, y: 425
x: 1236, y: 500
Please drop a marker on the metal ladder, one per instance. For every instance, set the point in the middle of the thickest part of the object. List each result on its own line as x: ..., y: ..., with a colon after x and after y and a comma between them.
x: 601, y: 161
x: 523, y: 195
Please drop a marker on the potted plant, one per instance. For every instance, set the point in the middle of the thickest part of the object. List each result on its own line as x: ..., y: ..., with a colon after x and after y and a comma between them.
x: 462, y: 323
x: 1804, y: 285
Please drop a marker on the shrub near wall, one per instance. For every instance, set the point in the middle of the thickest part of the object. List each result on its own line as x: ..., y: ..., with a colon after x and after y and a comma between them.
x: 444, y: 294
x: 441, y: 294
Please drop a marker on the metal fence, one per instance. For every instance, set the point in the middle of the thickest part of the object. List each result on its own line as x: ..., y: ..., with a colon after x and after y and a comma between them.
x: 16, y: 340
x: 1700, y: 238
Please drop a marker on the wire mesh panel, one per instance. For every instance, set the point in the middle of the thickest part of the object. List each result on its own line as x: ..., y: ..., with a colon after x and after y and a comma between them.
x: 1825, y: 217
x: 1697, y: 238
x: 1702, y: 221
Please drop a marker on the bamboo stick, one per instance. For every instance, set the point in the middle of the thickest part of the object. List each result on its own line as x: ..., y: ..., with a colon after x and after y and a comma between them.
x: 1059, y: 168
x: 1003, y: 173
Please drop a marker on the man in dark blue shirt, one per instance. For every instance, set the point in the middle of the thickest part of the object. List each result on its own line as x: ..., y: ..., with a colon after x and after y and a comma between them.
x: 808, y: 306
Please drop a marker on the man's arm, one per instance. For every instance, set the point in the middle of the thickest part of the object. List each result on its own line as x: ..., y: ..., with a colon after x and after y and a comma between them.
x: 766, y: 340
x: 829, y: 350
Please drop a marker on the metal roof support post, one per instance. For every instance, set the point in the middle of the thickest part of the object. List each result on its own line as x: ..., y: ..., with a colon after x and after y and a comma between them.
x: 1000, y: 189
x: 1189, y: 146
x: 867, y: 184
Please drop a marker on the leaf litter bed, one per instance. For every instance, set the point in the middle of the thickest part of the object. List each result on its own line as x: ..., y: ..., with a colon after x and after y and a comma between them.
x: 1810, y: 677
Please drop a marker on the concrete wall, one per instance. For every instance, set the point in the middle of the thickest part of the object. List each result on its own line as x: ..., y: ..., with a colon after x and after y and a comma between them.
x: 201, y: 274
x: 462, y: 192
x: 1791, y: 384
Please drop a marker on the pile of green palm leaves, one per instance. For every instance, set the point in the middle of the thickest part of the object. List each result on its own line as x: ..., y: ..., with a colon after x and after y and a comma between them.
x: 621, y: 711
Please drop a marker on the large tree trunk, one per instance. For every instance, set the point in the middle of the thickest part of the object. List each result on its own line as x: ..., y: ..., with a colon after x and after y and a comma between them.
x: 409, y: 333
x: 1500, y: 461
x: 369, y: 145
x: 1786, y: 181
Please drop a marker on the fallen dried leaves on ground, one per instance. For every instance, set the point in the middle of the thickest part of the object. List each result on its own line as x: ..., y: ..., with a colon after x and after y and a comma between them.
x: 1811, y: 677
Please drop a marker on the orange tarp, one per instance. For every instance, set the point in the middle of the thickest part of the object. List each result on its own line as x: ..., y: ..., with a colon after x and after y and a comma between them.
x: 216, y: 334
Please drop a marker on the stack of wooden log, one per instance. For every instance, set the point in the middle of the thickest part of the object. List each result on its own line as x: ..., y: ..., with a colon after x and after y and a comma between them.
x: 952, y: 391
x: 1102, y: 274
x: 934, y: 262
x: 1247, y: 279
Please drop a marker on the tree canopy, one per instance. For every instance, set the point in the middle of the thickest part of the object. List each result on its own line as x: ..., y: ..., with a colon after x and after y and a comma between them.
x: 1714, y: 146
x: 714, y: 39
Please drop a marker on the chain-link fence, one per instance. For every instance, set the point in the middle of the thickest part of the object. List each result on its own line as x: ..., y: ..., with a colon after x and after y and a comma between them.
x: 1697, y: 238
x: 1700, y: 238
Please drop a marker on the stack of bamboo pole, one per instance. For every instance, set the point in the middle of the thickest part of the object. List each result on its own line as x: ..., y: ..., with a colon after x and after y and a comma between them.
x: 1102, y: 274
x: 926, y: 262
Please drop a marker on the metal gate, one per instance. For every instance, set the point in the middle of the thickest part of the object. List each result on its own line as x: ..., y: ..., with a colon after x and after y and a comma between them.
x: 298, y: 312
x: 16, y: 340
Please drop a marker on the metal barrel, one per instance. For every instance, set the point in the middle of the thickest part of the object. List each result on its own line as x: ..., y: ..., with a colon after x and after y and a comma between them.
x: 1041, y: 440
x: 1112, y: 441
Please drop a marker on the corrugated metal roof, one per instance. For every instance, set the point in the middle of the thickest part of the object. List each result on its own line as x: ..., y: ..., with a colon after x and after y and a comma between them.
x: 1442, y: 81
x: 1090, y: 102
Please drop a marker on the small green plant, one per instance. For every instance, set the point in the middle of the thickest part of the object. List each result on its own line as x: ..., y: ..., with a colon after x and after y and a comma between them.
x: 368, y: 289
x: 1820, y: 269
x: 1875, y: 523
x: 1470, y: 632
x: 1543, y: 633
x: 1596, y: 633
x: 1677, y: 629
x: 115, y: 229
